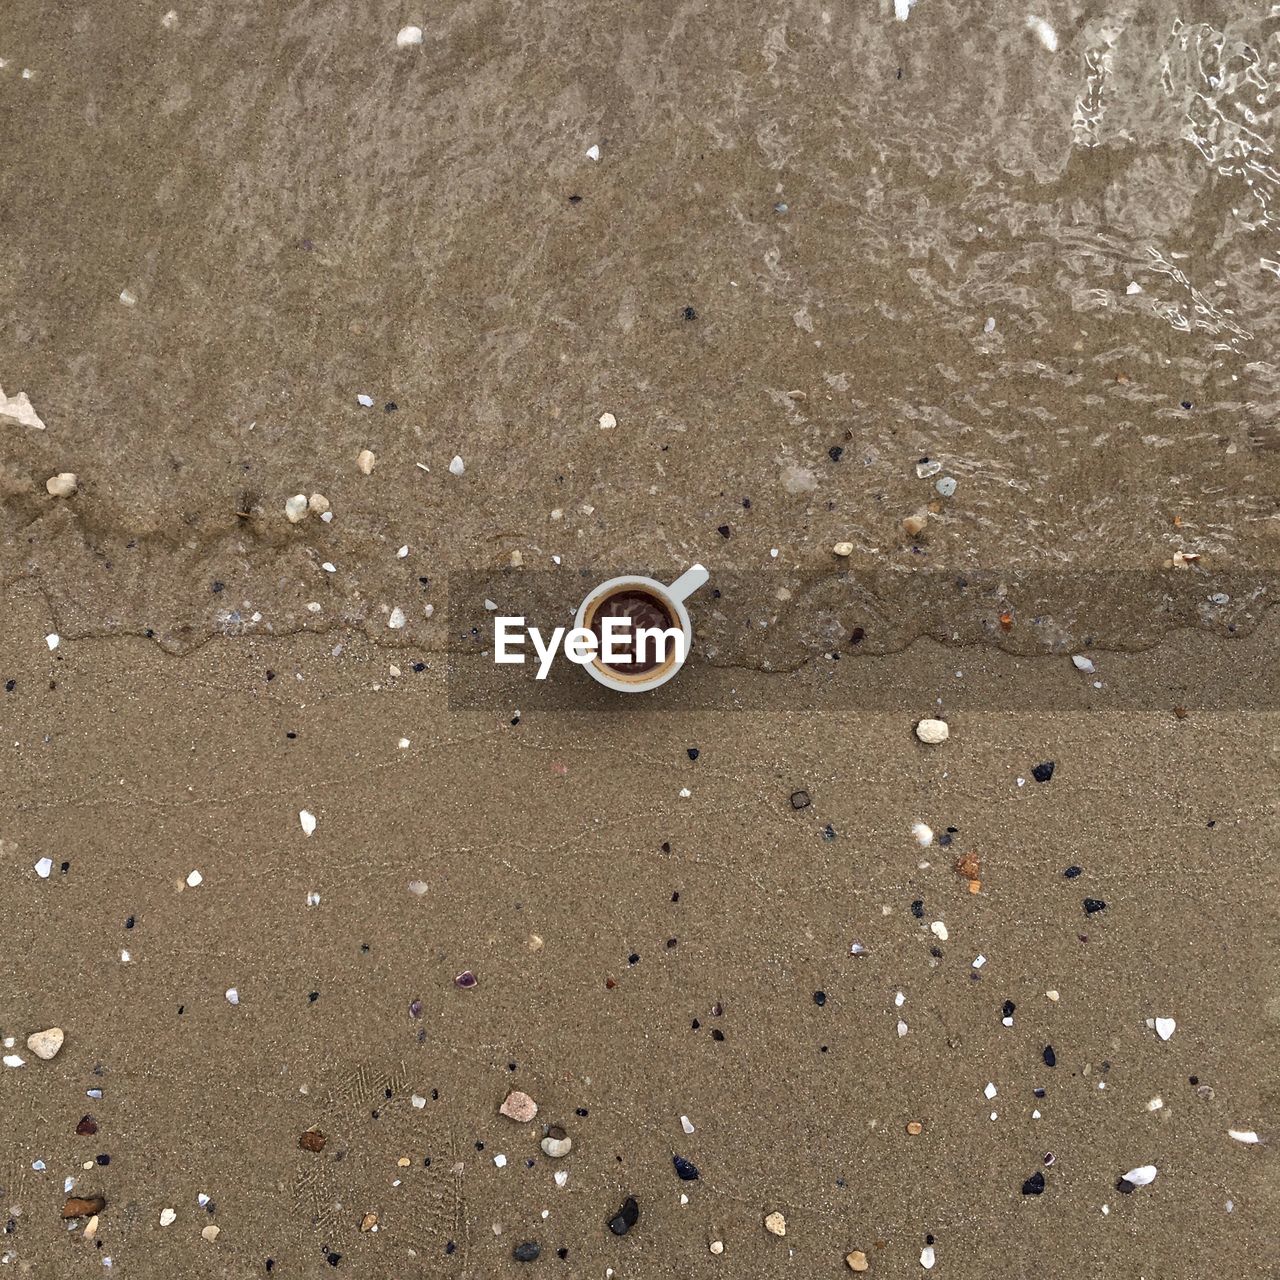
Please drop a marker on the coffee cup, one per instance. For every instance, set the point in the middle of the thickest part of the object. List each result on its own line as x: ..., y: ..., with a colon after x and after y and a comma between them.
x: 636, y: 609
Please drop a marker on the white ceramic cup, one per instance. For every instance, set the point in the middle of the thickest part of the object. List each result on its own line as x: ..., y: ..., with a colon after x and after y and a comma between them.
x: 672, y: 599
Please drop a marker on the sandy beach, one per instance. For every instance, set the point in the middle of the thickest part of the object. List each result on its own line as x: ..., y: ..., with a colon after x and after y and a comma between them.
x: 944, y: 337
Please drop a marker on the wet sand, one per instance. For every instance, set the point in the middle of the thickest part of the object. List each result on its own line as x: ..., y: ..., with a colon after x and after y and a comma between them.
x: 947, y: 344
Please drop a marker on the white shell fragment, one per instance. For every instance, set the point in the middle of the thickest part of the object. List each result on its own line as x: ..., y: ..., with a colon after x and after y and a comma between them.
x: 457, y: 466
x: 233, y: 996
x: 194, y: 879
x: 43, y: 867
x: 1165, y: 1027
x: 167, y: 1217
x: 687, y: 1125
x: 927, y: 1257
x: 990, y: 1091
x: 63, y: 485
x: 939, y: 930
x: 923, y: 834
x: 364, y: 401
x: 593, y: 152
x: 397, y: 619
x: 1143, y: 1176
x: 19, y: 409
x: 933, y: 731
x: 1246, y: 1136
x: 607, y: 422
x: 12, y: 1060
x: 407, y: 37
x: 53, y: 640
x: 308, y: 820
x: 1082, y: 663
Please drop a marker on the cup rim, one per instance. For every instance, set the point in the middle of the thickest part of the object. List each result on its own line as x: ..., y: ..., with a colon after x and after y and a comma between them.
x: 646, y: 680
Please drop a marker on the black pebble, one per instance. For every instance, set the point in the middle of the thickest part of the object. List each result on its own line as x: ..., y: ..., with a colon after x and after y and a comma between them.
x: 1072, y: 872
x: 819, y: 998
x: 686, y: 1170
x: 690, y: 313
x: 1006, y: 1010
x: 835, y: 452
x: 1034, y: 1185
x: 625, y: 1218
x: 917, y: 908
x: 724, y: 531
x: 694, y: 753
x: 800, y: 800
x: 1050, y: 1058
x: 1043, y: 772
x: 1093, y: 904
x: 529, y: 1251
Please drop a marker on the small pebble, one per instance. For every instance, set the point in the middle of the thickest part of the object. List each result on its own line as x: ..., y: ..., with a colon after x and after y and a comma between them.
x: 308, y: 821
x: 406, y: 38
x: 211, y: 1233
x: 686, y: 1170
x: 607, y: 422
x: 527, y: 1252
x: 167, y: 1217
x: 318, y: 504
x: 1165, y: 1027
x: 915, y: 525
x: 63, y: 485
x: 843, y: 549
x: 45, y: 1044
x: 519, y: 1107
x: 775, y: 1224
x: 365, y: 460
x: 1043, y: 772
x: 946, y: 486
x: 457, y: 466
x: 933, y: 731
x: 857, y: 1261
x: 1034, y: 1185
x: 557, y: 1143
x: 295, y: 509
x: 800, y: 800
x: 716, y: 1247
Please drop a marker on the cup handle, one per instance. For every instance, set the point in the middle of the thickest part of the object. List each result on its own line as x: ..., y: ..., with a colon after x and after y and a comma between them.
x: 688, y: 582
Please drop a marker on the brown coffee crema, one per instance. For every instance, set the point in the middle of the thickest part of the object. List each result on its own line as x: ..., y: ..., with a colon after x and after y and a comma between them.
x: 643, y: 609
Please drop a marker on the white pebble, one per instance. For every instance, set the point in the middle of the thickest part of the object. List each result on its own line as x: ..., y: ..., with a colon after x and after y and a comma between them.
x: 403, y: 744
x: 1243, y: 1135
x: 946, y: 486
x: 407, y: 37
x: 194, y: 879
x: 417, y: 887
x: 1082, y: 663
x: 366, y: 401
x: 457, y: 466
x: 397, y: 619
x: 607, y: 422
x: 902, y: 1028
x: 927, y: 1257
x: 1155, y: 1104
x: 933, y: 731
x: 365, y: 460
x: 233, y: 996
x: 593, y: 152
x: 167, y: 1217
x: 1044, y: 32
x: 12, y: 1060
x: 128, y: 297
x: 939, y: 930
x: 979, y: 962
x: 418, y: 1101
x: 923, y: 834
x: 313, y: 898
x: 500, y: 1160
x: 295, y: 508
x: 990, y: 1091
x: 45, y: 1044
x: 308, y: 820
x: 686, y: 1124
x: 842, y: 549
x: 63, y: 485
x: 1142, y: 1176
x: 43, y: 867
x: 1165, y: 1027
x: 53, y: 640
x: 561, y: 1177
